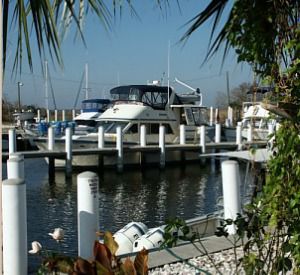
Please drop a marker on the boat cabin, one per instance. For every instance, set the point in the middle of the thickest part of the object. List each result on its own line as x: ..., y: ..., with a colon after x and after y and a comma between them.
x: 151, y: 95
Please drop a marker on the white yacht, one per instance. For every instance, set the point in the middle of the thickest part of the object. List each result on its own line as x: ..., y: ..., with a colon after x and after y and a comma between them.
x: 149, y: 105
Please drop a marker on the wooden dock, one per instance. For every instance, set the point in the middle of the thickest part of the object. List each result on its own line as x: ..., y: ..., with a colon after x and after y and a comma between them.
x: 110, y: 151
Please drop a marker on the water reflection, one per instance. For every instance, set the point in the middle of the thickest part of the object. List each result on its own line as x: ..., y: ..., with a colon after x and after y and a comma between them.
x: 150, y: 196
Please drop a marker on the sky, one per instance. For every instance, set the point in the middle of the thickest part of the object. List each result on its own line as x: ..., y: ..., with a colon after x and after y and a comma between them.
x: 136, y: 51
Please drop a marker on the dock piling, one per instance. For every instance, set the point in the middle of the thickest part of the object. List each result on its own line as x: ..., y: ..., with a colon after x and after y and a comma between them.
x: 38, y: 116
x: 15, y: 166
x: 48, y: 115
x: 202, y: 138
x: 211, y: 116
x: 231, y: 191
x: 119, y: 147
x: 239, y: 135
x: 63, y: 115
x: 12, y: 141
x: 217, y: 133
x: 51, y: 164
x: 68, y: 149
x: 14, y: 217
x: 87, y: 215
x: 162, y: 131
x: 55, y: 115
x: 100, y: 145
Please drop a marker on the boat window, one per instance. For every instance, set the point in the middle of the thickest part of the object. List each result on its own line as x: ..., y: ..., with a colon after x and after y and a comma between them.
x: 154, y: 128
x: 133, y: 129
x: 113, y: 127
x: 134, y: 94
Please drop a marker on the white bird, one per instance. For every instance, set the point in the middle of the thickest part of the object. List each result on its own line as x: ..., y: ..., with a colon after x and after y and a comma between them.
x: 36, y: 247
x: 58, y: 234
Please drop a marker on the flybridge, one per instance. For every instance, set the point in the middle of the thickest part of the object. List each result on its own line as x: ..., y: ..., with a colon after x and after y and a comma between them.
x: 152, y: 95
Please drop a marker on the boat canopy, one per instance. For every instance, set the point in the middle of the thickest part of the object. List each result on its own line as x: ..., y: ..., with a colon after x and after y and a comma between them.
x: 94, y: 105
x: 152, y: 95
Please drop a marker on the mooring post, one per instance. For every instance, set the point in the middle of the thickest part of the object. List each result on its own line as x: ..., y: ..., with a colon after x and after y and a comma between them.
x: 48, y: 115
x: 202, y: 139
x: 38, y: 116
x: 55, y: 115
x: 211, y: 116
x: 182, y: 137
x: 231, y: 192
x: 15, y: 166
x: 68, y: 149
x: 63, y: 115
x: 239, y: 135
x: 162, y: 131
x: 87, y: 212
x: 51, y: 142
x: 12, y: 141
x: 250, y: 133
x: 73, y: 114
x: 217, y: 115
x: 143, y: 137
x: 14, y: 217
x: 100, y: 145
x: 217, y: 133
x: 182, y: 141
x: 143, y: 143
x: 119, y: 147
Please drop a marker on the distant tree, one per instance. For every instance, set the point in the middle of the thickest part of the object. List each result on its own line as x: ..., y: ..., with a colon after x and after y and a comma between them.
x: 238, y: 95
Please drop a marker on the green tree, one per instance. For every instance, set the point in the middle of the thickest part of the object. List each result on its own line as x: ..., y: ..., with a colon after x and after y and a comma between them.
x: 266, y: 34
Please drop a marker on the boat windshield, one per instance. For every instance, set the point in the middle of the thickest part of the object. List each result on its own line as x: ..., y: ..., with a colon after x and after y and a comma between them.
x: 154, y: 96
x: 94, y: 105
x: 111, y: 127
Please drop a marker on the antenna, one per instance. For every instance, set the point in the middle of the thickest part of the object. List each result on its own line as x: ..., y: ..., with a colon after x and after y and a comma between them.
x: 169, y: 72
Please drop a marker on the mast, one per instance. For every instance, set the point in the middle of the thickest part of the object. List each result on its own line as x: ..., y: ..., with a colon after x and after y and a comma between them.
x: 169, y: 72
x: 86, y: 81
x: 46, y: 86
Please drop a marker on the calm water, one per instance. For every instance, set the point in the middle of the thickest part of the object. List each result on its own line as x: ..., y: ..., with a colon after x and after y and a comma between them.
x: 150, y: 196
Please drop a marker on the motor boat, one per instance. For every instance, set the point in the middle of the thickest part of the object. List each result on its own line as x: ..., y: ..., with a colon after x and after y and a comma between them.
x: 135, y: 105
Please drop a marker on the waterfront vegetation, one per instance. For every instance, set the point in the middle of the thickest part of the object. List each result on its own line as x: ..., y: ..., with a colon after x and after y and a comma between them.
x: 265, y: 34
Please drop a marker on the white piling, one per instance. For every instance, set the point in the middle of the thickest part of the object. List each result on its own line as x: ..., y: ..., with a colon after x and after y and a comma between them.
x: 14, y: 224
x: 48, y: 115
x: 100, y: 137
x: 87, y: 212
x: 73, y: 114
x: 38, y: 116
x: 63, y: 115
x: 51, y: 138
x: 216, y: 115
x: 12, y: 141
x: 55, y: 115
x: 217, y: 133
x: 119, y: 147
x: 68, y: 149
x: 162, y: 131
x: 227, y: 122
x: 202, y: 138
x: 143, y: 135
x: 230, y: 115
x: 231, y: 192
x: 182, y: 134
x: 211, y: 116
x: 250, y: 133
x: 239, y: 135
x: 15, y: 166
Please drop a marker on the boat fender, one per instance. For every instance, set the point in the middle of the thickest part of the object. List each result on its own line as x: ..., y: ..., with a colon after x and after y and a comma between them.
x: 152, y: 239
x: 127, y: 235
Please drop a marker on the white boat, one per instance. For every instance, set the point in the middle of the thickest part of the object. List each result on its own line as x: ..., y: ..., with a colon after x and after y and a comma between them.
x: 259, y: 119
x: 136, y: 105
